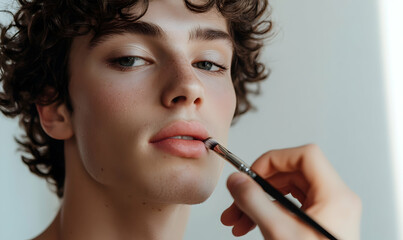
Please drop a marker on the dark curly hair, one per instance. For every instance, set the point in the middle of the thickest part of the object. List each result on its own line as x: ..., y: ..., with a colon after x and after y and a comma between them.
x: 34, y: 57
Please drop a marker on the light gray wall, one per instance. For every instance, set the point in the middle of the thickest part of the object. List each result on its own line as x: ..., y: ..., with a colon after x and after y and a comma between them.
x: 326, y: 87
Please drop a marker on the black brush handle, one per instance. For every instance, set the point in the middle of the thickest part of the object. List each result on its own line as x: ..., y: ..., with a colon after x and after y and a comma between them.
x: 290, y: 206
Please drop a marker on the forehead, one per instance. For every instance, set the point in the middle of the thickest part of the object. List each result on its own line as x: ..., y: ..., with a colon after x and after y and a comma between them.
x: 174, y: 15
x: 169, y: 19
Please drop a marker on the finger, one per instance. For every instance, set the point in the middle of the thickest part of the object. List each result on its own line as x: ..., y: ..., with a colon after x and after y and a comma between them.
x: 309, y: 160
x: 243, y: 226
x: 295, y: 193
x: 293, y: 183
x: 282, y: 180
x: 254, y: 202
x: 231, y: 215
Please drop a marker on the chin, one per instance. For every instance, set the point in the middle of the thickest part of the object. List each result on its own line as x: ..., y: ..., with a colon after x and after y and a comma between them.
x: 197, y: 195
x: 188, y: 187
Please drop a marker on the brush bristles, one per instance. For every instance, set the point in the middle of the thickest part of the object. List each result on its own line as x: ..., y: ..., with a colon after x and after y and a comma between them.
x: 210, y: 143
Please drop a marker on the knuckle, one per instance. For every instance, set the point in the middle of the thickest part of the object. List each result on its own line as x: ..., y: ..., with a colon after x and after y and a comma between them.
x: 355, y: 202
x: 312, y: 151
x: 349, y: 203
x: 264, y: 160
x: 312, y: 148
x: 264, y: 157
x: 269, y: 153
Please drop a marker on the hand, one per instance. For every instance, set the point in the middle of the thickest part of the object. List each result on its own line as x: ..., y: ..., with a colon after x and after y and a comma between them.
x: 309, y: 177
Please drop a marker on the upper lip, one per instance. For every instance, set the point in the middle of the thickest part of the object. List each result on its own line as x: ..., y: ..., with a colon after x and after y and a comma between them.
x: 181, y: 128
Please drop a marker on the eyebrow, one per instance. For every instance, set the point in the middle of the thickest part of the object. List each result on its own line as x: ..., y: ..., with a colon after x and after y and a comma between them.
x: 116, y: 28
x: 153, y: 30
x: 209, y: 34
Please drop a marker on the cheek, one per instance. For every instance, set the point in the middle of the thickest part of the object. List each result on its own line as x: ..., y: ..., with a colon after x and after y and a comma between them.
x: 221, y: 101
x: 101, y: 93
x: 104, y: 97
x: 229, y: 103
x: 106, y: 115
x: 224, y: 101
x: 106, y: 105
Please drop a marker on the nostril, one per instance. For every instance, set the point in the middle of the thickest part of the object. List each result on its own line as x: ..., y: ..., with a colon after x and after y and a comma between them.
x: 183, y: 99
x: 179, y: 99
x: 197, y: 101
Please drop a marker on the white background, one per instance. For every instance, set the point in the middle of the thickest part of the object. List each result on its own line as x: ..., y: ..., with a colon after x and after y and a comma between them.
x: 328, y: 86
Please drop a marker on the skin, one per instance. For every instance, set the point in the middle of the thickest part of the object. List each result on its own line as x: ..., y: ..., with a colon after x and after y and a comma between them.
x: 306, y: 174
x: 119, y: 186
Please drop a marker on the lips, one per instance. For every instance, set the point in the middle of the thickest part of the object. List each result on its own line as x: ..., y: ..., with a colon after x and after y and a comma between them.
x: 182, y: 139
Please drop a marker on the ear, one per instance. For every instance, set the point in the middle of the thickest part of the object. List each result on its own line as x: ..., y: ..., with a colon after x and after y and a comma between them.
x: 55, y: 120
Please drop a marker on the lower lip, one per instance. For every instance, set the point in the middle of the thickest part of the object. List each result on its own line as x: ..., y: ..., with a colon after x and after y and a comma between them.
x: 182, y: 148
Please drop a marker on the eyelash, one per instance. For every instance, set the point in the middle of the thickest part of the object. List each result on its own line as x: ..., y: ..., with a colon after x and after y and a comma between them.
x: 221, y: 68
x: 114, y: 62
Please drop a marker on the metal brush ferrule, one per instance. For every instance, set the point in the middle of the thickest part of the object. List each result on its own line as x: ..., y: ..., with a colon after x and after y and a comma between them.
x: 234, y: 160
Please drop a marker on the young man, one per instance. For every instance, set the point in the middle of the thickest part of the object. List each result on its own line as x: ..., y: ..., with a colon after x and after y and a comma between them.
x: 115, y: 98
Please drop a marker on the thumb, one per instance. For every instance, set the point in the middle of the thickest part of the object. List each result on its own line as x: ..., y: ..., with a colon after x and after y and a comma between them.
x: 254, y: 202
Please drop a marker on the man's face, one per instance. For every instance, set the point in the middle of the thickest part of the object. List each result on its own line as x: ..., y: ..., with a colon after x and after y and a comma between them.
x: 137, y: 93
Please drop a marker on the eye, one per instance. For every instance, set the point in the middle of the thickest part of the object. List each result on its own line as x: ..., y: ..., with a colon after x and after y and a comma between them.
x: 130, y: 61
x: 127, y: 63
x: 209, y: 66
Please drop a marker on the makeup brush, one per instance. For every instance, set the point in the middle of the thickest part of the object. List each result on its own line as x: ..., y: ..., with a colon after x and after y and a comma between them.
x: 267, y: 187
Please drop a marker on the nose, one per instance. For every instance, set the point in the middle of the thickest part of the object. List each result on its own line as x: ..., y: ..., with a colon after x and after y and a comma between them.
x: 182, y: 87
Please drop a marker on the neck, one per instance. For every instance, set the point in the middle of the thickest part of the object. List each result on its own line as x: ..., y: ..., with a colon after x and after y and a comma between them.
x: 92, y: 211
x: 92, y: 215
